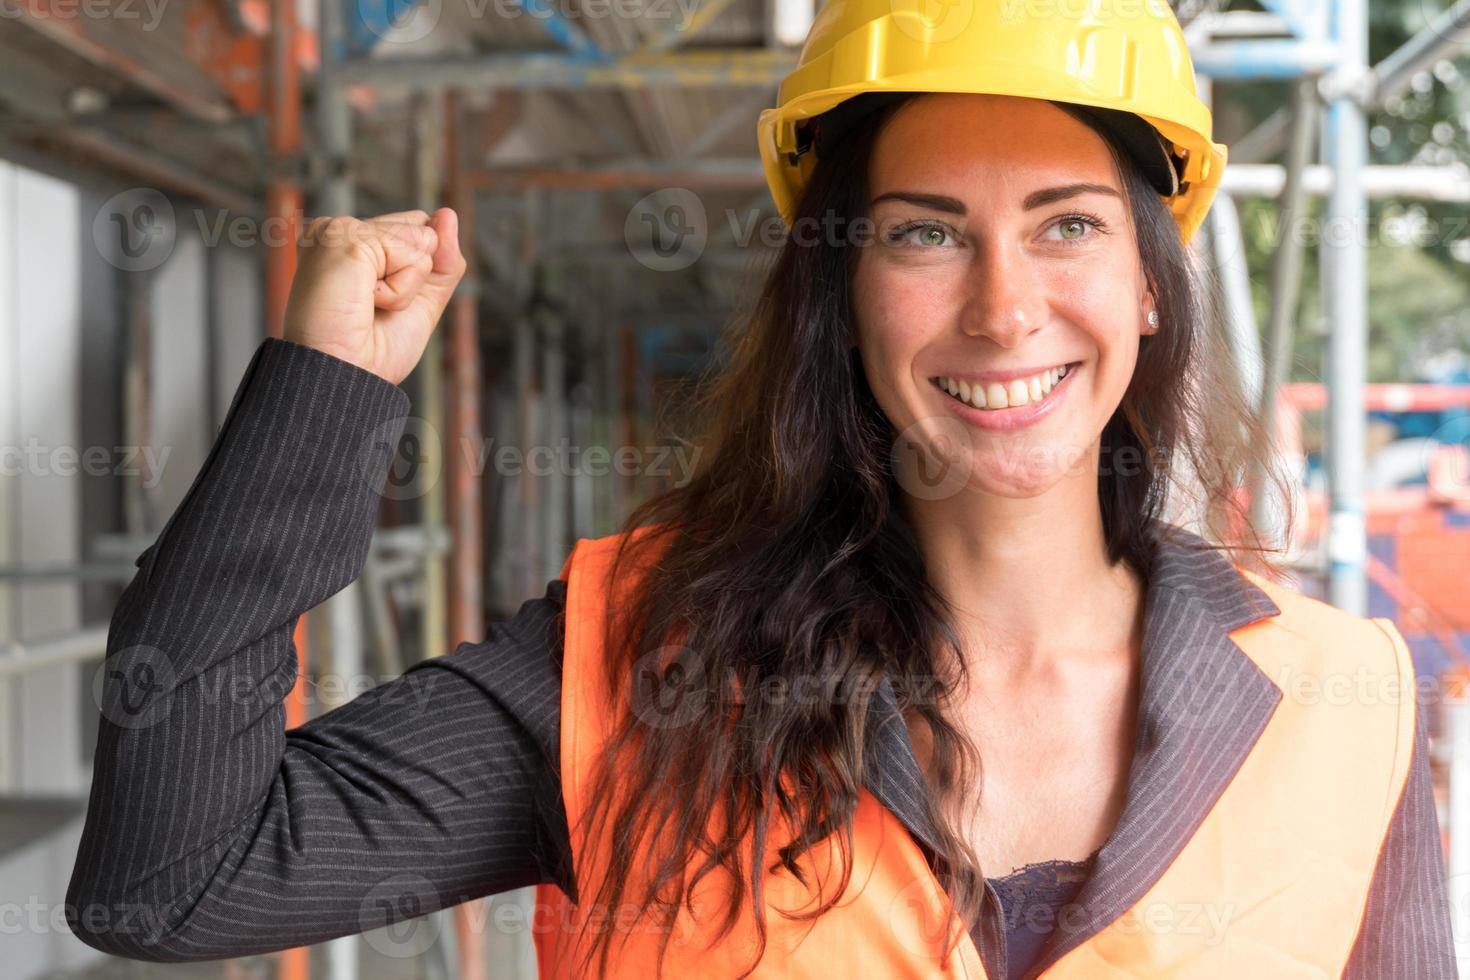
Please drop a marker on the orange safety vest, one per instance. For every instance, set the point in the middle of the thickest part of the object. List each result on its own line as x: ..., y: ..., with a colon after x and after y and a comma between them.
x: 1286, y: 855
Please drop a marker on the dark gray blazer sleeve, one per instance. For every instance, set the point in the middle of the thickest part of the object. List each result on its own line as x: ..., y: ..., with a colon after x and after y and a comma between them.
x: 1406, y: 933
x: 210, y: 830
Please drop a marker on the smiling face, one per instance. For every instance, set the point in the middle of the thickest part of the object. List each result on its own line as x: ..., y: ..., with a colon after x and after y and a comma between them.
x: 1003, y: 266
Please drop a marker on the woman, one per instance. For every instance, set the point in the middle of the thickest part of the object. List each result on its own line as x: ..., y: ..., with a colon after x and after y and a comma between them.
x: 747, y: 734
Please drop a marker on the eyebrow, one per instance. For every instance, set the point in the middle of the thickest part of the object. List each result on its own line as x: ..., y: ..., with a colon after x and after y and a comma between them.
x: 1036, y: 199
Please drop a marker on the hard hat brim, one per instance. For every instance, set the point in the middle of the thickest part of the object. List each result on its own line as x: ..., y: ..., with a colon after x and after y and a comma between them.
x: 1140, y: 141
x: 1203, y: 161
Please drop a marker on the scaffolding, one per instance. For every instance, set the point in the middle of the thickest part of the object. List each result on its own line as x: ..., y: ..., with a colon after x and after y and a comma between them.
x: 1318, y: 45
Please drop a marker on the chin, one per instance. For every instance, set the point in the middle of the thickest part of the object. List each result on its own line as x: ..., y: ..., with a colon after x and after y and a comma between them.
x: 1015, y: 486
x: 937, y: 455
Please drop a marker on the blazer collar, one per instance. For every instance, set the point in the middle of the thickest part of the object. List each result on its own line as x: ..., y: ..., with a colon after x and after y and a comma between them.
x: 1203, y: 705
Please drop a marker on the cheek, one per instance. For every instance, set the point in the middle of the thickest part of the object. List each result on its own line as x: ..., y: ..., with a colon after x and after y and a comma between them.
x: 897, y: 316
x: 1106, y: 307
x: 1097, y: 288
x: 1113, y: 372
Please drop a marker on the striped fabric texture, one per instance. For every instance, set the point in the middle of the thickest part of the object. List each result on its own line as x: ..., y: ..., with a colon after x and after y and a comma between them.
x: 211, y: 832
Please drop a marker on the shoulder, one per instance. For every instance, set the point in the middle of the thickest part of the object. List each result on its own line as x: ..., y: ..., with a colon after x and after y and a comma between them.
x: 1336, y: 634
x: 1350, y: 679
x: 603, y: 576
x: 1271, y: 620
x: 1321, y: 656
x: 594, y: 557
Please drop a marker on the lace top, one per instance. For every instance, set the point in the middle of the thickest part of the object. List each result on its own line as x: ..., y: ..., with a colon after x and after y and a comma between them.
x: 1032, y: 898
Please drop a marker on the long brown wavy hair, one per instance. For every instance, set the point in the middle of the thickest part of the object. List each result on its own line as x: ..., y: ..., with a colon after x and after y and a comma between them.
x: 788, y: 555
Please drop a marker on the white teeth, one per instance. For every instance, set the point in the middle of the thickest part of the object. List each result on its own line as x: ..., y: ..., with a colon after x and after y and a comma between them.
x: 1021, y: 391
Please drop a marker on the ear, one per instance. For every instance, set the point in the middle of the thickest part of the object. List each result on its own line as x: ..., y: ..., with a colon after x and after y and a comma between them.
x: 1146, y: 306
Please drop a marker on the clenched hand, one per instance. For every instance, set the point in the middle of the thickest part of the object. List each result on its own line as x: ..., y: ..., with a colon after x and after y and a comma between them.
x: 371, y: 291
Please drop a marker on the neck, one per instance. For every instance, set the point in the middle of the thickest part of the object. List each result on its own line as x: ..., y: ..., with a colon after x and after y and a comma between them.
x: 1029, y: 578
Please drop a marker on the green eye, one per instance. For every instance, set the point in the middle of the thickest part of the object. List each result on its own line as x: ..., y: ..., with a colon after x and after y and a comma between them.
x: 1081, y: 224
x: 924, y: 234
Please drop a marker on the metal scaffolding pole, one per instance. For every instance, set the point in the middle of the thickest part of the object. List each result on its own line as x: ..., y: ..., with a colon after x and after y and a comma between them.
x: 333, y: 114
x: 466, y: 596
x: 1443, y: 37
x: 1409, y: 182
x: 555, y: 482
x: 427, y: 193
x: 283, y: 206
x: 1235, y: 293
x: 334, y: 196
x: 1345, y: 281
x: 1286, y: 273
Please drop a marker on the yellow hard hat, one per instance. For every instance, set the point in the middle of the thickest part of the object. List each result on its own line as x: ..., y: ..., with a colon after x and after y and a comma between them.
x: 1117, y: 61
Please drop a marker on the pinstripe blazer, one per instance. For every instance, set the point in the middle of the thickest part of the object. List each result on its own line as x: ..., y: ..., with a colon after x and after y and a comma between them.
x: 213, y: 832
x: 1189, y: 744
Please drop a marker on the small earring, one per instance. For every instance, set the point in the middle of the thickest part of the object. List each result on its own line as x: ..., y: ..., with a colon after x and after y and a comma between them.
x: 1153, y: 318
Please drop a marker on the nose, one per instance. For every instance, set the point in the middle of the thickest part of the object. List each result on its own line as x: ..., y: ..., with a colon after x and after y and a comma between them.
x: 1004, y: 301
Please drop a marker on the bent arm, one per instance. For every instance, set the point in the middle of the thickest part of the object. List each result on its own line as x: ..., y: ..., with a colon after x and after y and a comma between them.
x: 213, y: 832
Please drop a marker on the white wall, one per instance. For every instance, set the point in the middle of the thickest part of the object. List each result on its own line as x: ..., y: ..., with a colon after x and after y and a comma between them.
x: 180, y: 367
x: 40, y: 492
x: 9, y: 407
x: 41, y: 329
x: 239, y: 319
x: 61, y: 338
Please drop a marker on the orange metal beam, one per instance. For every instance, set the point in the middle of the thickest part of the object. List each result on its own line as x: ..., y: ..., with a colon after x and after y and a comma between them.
x: 283, y: 210
x: 60, y: 24
x: 466, y: 605
x: 237, y: 60
x: 1310, y: 395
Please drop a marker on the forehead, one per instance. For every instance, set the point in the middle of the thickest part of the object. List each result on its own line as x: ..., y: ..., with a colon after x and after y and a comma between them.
x: 963, y: 143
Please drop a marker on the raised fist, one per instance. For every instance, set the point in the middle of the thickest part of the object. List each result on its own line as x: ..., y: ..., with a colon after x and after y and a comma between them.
x: 370, y: 291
